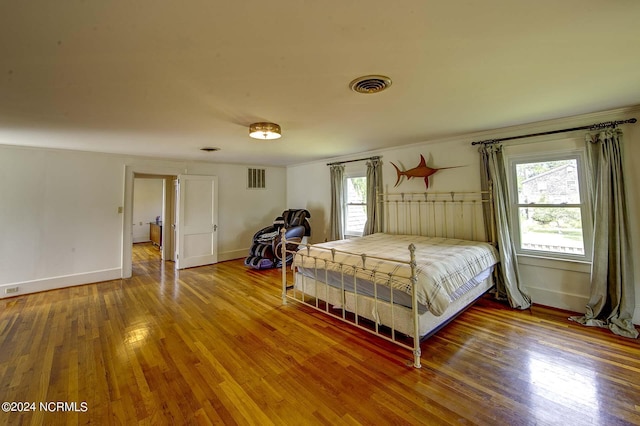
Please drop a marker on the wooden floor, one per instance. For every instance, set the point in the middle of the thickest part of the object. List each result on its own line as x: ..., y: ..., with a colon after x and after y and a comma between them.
x: 214, y: 345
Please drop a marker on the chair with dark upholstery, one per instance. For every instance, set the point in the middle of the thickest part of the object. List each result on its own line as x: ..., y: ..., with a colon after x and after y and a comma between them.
x: 266, y: 250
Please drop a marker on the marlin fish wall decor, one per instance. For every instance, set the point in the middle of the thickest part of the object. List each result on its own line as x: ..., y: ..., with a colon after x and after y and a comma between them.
x: 421, y: 171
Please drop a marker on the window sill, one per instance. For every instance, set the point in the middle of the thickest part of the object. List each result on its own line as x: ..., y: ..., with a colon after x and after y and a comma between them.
x: 554, y: 263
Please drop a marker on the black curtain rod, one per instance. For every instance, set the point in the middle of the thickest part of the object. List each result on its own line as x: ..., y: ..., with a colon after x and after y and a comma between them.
x: 591, y: 127
x: 351, y: 161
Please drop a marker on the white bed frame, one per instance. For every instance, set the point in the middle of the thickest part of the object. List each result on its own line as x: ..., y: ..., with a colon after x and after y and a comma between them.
x: 449, y: 215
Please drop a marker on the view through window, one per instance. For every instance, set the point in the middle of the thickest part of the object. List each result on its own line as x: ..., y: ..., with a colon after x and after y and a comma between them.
x: 550, y: 207
x: 356, y: 208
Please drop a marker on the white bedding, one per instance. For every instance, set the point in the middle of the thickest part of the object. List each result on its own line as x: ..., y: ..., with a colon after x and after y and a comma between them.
x: 443, y: 265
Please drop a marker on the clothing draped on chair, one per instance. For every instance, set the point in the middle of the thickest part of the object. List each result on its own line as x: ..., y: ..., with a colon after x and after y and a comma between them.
x: 374, y: 184
x: 508, y: 281
x: 612, y: 301
x: 337, y: 202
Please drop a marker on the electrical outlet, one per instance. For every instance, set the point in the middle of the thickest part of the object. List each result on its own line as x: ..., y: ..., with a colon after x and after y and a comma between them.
x: 10, y: 290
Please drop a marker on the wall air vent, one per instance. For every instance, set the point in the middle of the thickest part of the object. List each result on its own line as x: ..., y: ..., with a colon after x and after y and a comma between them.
x: 256, y: 179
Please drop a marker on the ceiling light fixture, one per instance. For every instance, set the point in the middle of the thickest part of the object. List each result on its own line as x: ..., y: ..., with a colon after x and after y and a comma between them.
x: 265, y: 131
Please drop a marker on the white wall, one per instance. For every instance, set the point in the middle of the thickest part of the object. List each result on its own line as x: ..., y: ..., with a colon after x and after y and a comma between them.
x: 59, y: 218
x: 559, y: 284
x: 147, y: 204
x: 308, y: 188
x: 59, y: 213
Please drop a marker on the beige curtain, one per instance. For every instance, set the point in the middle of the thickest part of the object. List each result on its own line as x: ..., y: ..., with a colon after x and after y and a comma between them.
x: 374, y: 184
x: 612, y: 300
x: 336, y: 219
x: 508, y: 282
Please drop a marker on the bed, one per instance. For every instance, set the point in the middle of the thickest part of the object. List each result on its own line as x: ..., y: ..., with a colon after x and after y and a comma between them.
x: 431, y: 262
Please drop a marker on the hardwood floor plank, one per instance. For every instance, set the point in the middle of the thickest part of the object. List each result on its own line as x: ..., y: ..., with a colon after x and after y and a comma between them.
x: 214, y: 345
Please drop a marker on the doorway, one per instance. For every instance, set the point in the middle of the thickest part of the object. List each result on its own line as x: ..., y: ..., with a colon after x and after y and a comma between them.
x: 134, y: 231
x: 153, y: 218
x: 147, y: 225
x: 198, y: 246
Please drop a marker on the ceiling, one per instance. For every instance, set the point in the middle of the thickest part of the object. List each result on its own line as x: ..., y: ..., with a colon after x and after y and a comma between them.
x: 166, y: 78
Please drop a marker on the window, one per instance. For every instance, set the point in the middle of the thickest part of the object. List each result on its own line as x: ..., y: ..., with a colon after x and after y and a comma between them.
x: 549, y: 206
x: 356, y: 205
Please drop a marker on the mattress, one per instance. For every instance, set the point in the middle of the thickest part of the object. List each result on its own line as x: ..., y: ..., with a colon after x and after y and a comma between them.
x: 445, y: 268
x: 396, y: 317
x: 382, y: 292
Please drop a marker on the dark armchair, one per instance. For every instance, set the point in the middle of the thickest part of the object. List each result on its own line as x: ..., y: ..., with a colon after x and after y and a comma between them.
x: 266, y: 250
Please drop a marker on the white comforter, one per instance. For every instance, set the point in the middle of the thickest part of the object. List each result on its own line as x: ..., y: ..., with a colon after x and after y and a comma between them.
x: 442, y: 264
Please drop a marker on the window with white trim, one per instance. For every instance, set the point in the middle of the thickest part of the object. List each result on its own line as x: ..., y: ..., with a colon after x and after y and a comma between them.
x: 549, y: 205
x: 355, y: 209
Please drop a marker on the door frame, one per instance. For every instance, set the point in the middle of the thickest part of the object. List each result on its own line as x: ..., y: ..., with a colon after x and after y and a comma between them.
x: 127, y: 229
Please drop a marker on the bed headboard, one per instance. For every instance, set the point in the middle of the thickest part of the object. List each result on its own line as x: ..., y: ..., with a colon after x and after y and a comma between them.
x: 438, y: 214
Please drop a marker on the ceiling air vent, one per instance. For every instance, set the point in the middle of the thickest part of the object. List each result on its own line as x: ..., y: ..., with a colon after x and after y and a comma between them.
x: 370, y: 84
x: 256, y: 179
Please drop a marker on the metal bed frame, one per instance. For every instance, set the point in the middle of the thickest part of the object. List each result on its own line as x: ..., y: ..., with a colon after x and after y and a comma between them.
x: 438, y: 214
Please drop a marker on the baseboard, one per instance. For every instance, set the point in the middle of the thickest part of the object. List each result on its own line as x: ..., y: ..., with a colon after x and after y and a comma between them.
x: 569, y: 302
x: 556, y: 299
x: 233, y: 254
x: 26, y: 287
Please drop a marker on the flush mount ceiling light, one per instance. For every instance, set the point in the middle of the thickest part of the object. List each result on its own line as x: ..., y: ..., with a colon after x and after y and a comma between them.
x: 265, y: 131
x: 369, y: 84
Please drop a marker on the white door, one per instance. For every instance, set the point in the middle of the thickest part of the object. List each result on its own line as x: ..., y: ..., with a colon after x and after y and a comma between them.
x: 197, y: 218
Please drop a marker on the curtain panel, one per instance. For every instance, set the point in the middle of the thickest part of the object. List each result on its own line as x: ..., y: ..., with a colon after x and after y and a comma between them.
x: 336, y: 218
x: 508, y: 282
x: 374, y: 185
x: 612, y: 299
